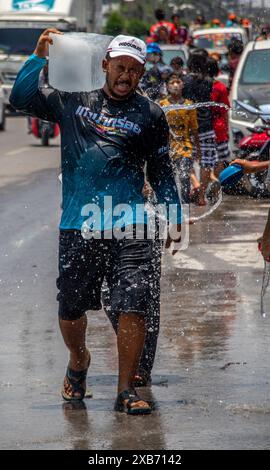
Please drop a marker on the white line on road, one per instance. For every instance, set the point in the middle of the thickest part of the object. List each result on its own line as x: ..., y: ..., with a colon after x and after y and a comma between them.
x: 30, y: 236
x: 17, y: 151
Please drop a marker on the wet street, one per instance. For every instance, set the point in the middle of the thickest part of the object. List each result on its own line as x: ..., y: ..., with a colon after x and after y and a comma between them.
x: 211, y: 381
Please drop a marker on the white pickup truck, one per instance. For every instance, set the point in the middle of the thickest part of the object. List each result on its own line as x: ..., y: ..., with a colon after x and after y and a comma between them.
x: 22, y: 22
x: 216, y: 40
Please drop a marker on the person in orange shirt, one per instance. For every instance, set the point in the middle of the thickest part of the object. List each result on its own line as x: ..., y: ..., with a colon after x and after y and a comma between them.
x: 216, y: 23
x: 232, y: 20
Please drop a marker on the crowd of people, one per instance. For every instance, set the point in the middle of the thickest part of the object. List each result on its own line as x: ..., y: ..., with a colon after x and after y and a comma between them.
x: 112, y: 140
x: 177, y: 32
x: 200, y: 135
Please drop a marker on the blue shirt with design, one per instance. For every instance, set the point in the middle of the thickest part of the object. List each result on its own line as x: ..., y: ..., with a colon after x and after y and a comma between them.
x: 105, y: 145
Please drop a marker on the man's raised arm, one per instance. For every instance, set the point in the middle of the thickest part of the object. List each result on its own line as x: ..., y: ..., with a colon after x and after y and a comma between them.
x: 26, y: 95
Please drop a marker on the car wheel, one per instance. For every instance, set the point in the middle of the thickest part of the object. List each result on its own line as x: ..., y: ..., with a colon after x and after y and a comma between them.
x: 45, y: 138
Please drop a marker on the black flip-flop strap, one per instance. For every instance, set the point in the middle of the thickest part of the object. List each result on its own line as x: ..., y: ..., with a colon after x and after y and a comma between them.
x: 76, y: 378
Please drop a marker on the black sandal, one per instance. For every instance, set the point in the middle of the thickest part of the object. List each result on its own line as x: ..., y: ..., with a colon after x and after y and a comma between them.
x: 77, y: 380
x: 132, y: 397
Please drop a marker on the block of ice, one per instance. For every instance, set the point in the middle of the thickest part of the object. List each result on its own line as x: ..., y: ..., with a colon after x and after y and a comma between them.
x: 75, y: 61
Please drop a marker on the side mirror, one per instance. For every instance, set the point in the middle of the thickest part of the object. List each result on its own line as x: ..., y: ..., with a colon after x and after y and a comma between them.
x: 248, y: 108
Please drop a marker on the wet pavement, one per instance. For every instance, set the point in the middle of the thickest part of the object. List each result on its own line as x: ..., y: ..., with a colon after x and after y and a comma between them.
x: 211, y: 381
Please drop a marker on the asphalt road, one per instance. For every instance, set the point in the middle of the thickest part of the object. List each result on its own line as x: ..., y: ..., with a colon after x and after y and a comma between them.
x: 211, y: 379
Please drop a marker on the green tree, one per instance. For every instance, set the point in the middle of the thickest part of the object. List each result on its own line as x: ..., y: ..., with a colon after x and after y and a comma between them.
x: 137, y: 27
x: 115, y: 24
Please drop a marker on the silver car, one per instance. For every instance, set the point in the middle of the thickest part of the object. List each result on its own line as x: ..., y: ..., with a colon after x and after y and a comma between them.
x: 169, y: 51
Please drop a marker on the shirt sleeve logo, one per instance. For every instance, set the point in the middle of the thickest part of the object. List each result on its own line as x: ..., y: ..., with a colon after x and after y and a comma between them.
x: 108, y: 124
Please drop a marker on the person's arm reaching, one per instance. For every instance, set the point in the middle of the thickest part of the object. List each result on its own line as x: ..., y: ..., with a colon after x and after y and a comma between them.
x: 256, y: 167
x: 251, y: 167
x: 26, y: 95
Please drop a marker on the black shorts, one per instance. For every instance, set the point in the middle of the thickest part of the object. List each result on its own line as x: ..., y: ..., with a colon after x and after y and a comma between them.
x: 127, y: 265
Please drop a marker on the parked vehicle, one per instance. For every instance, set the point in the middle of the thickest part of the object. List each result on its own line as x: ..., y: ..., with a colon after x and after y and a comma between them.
x: 215, y: 41
x: 251, y: 145
x: 169, y: 51
x: 44, y: 130
x: 255, y: 146
x: 250, y: 91
x: 21, y: 24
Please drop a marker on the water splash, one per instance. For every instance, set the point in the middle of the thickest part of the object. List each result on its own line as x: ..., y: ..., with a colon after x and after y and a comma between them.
x: 191, y: 107
x: 210, y: 211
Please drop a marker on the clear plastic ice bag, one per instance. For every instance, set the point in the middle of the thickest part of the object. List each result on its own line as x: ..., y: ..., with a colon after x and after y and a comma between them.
x: 75, y: 61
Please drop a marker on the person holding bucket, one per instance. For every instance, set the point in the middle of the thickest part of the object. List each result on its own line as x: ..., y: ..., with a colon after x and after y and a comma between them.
x: 108, y: 136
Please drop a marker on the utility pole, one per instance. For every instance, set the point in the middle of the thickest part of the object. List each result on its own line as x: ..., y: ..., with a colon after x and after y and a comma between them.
x: 96, y: 15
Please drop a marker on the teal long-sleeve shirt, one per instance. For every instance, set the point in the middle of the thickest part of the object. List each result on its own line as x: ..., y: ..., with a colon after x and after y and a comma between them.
x: 105, y: 145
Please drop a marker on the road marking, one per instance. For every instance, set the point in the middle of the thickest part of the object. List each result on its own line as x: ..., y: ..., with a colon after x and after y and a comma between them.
x: 16, y: 152
x: 29, y: 237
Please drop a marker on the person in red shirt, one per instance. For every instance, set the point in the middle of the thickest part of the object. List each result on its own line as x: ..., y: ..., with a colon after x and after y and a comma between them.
x: 157, y: 30
x: 220, y: 115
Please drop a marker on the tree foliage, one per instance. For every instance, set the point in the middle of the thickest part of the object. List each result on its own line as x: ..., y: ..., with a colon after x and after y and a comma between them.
x: 115, y: 24
x: 136, y: 27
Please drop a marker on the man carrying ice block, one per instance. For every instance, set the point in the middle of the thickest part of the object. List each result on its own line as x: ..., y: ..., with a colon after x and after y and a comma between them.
x: 107, y: 137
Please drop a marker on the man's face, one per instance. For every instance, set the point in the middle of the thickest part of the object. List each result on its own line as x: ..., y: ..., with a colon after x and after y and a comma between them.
x: 122, y: 75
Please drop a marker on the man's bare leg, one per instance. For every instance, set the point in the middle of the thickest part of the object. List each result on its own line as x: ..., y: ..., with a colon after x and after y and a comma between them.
x: 73, y: 332
x: 205, y: 180
x: 130, y: 341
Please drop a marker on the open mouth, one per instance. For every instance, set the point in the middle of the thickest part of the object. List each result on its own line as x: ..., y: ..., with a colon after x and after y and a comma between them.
x: 122, y: 87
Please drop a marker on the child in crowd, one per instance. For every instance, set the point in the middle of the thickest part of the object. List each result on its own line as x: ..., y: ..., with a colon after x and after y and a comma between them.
x: 177, y: 64
x: 198, y: 88
x: 183, y: 129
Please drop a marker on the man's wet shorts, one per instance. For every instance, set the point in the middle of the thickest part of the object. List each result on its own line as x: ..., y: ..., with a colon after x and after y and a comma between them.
x: 128, y: 266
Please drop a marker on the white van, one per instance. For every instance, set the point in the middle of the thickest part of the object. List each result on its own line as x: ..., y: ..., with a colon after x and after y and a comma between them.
x: 217, y: 39
x: 250, y: 92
